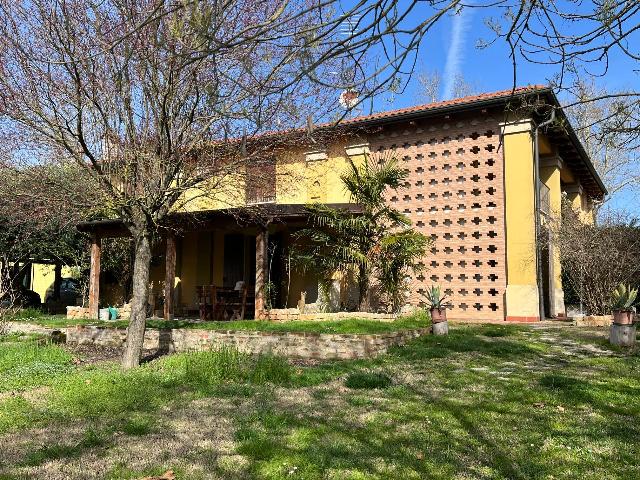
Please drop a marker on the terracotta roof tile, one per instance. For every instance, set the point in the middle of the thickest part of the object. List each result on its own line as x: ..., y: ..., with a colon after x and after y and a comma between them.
x: 446, y: 103
x: 390, y: 114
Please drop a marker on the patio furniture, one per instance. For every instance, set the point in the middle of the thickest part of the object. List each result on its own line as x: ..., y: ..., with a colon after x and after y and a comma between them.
x: 223, y: 303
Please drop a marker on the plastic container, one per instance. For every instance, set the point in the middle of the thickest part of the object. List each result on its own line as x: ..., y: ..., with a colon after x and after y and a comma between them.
x: 104, y: 314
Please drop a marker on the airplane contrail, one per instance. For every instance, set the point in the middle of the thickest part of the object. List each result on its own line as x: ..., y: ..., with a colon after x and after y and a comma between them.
x: 460, y: 23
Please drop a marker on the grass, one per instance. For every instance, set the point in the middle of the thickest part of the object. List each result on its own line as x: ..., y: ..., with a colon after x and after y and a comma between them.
x: 484, y: 402
x: 367, y: 380
x: 347, y: 326
x: 107, y: 392
x: 28, y: 364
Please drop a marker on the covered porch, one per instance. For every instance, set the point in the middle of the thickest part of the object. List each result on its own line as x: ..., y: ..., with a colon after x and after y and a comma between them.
x: 217, y: 265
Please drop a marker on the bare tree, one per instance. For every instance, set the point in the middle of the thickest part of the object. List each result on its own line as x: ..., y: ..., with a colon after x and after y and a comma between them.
x: 7, y: 296
x: 576, y: 41
x: 37, y: 223
x: 431, y: 86
x: 146, y: 95
x: 613, y: 154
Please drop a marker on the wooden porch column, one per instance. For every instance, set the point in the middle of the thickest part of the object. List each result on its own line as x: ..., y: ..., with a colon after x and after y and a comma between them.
x: 57, y: 282
x: 170, y: 276
x: 94, y: 277
x: 261, y: 272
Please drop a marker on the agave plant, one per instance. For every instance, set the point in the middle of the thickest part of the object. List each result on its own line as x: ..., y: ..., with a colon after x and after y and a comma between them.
x: 624, y: 297
x: 435, y: 298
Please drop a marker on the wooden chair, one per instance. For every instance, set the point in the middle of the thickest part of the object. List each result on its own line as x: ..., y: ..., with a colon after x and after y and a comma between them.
x: 222, y: 303
x: 204, y: 302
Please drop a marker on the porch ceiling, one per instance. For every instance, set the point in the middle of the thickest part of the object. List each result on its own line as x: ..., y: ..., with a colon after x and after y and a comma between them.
x: 572, y: 152
x: 230, y: 218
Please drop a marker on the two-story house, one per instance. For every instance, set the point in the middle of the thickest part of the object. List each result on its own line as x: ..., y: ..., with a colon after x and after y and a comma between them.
x: 483, y: 170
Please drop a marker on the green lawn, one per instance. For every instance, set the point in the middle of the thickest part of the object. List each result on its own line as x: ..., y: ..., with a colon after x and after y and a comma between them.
x: 486, y: 402
x: 353, y: 325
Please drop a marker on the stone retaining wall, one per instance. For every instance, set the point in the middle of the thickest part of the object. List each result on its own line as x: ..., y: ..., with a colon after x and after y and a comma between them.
x: 274, y: 315
x: 322, y: 346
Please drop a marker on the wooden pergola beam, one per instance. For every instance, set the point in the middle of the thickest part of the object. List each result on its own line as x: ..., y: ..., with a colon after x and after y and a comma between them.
x: 170, y: 276
x: 94, y: 277
x: 262, y: 239
x: 57, y: 281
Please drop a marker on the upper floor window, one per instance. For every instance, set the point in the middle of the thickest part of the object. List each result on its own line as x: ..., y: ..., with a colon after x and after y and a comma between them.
x: 261, y: 181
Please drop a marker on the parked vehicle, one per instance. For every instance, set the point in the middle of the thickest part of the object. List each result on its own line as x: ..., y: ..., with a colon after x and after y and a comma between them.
x: 24, y: 298
x: 69, y: 292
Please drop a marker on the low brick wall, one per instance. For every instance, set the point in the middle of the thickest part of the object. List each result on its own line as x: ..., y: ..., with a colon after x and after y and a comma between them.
x: 289, y: 314
x: 322, y: 346
x: 77, y: 313
x: 593, y: 321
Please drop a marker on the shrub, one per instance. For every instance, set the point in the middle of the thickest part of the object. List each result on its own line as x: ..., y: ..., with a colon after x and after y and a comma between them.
x: 596, y: 258
x: 378, y: 243
x: 212, y: 368
x: 367, y: 380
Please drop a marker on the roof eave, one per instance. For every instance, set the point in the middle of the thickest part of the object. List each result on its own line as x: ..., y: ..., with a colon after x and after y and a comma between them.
x: 453, y: 108
x: 577, y: 144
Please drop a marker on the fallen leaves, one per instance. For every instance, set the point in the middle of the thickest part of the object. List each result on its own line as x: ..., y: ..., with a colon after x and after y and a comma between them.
x: 168, y: 475
x: 559, y: 408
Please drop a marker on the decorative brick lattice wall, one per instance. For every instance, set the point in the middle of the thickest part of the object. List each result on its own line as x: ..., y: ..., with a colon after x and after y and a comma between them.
x: 455, y: 193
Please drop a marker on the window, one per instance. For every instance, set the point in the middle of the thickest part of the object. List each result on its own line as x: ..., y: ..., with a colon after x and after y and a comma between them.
x: 261, y: 182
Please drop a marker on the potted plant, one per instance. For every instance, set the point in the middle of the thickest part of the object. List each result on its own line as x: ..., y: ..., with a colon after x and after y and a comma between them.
x: 437, y: 308
x: 623, y: 331
x: 623, y: 299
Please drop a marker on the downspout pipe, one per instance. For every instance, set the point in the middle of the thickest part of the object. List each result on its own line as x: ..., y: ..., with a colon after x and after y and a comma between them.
x: 536, y: 189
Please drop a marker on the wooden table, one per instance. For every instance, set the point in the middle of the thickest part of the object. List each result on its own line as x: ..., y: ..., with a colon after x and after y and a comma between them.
x: 222, y: 303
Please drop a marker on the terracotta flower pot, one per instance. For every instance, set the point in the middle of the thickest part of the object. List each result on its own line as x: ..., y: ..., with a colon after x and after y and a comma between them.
x: 438, y: 315
x: 623, y: 317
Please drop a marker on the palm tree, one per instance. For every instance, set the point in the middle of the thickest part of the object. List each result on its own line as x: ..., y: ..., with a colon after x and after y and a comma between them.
x: 378, y: 242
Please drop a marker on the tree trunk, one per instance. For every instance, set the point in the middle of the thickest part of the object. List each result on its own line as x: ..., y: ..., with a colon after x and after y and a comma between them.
x: 363, y: 288
x: 137, y: 323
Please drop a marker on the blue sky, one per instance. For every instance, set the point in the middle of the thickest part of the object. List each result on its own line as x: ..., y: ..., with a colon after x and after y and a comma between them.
x: 490, y: 69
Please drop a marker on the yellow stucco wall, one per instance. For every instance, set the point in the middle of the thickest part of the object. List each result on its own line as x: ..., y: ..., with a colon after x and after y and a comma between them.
x: 201, y: 263
x: 303, y: 175
x: 581, y: 204
x: 43, y: 276
x: 550, y: 175
x: 521, y: 298
x: 218, y: 258
x: 314, y: 175
x: 218, y: 193
x: 188, y: 269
